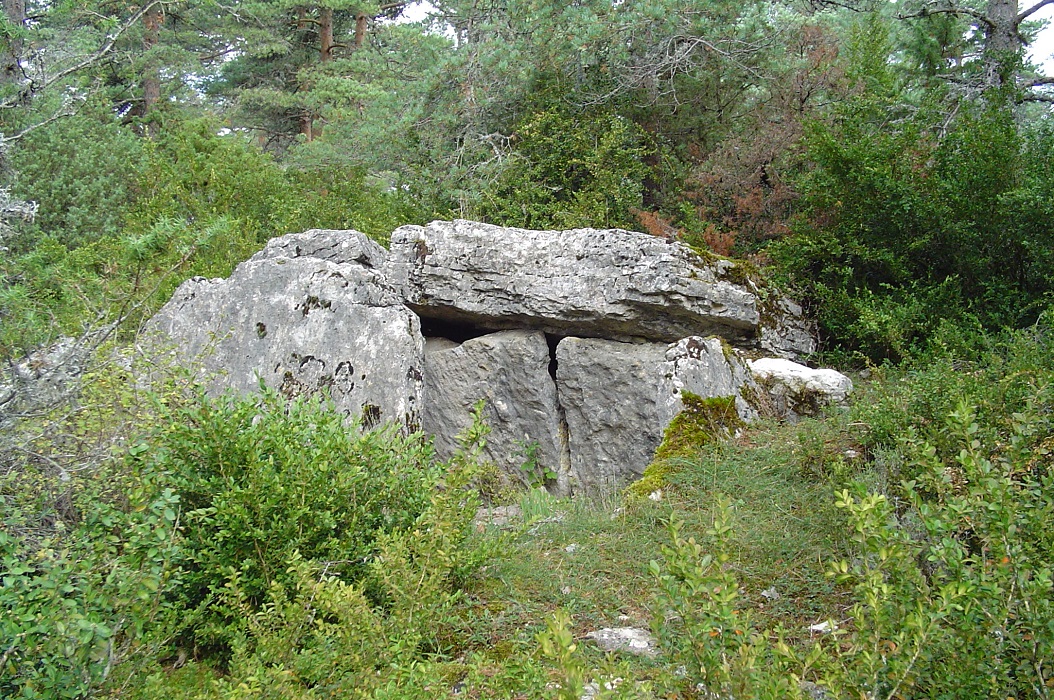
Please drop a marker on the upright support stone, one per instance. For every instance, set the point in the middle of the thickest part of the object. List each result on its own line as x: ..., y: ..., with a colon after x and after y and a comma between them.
x: 612, y: 394
x: 509, y: 371
x: 619, y: 397
x: 302, y: 325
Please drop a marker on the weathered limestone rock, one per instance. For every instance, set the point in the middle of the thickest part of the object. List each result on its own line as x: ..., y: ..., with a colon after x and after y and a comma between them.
x: 612, y: 398
x: 326, y: 244
x: 619, y: 397
x: 707, y: 368
x: 332, y: 310
x: 785, y: 332
x: 613, y: 284
x: 633, y: 640
x: 44, y: 378
x: 510, y: 372
x: 797, y: 390
x: 302, y: 325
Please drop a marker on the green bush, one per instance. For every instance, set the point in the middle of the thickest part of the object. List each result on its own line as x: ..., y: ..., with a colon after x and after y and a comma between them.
x: 323, y: 626
x: 1001, y: 374
x: 270, y: 538
x: 262, y: 481
x: 954, y: 591
x: 702, y: 621
x: 84, y: 171
x: 86, y: 559
x: 202, y: 204
x: 911, y: 217
x: 568, y: 171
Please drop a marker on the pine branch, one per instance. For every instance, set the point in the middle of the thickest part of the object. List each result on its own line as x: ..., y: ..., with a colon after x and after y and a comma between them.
x: 958, y: 11
x: 105, y: 50
x: 1025, y: 14
x: 66, y: 110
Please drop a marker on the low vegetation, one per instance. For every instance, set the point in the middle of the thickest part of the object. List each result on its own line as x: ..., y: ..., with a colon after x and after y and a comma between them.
x: 242, y: 548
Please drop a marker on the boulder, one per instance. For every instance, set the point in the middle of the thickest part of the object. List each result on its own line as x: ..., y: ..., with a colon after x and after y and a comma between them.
x: 326, y: 244
x: 611, y: 284
x: 796, y: 390
x: 619, y: 397
x: 303, y: 325
x: 509, y: 370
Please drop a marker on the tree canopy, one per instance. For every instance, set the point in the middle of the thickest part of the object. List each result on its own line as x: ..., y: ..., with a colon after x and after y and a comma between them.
x: 888, y: 159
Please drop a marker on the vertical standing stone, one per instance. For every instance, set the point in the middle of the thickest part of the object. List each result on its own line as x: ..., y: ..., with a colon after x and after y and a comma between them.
x: 509, y: 371
x: 618, y: 399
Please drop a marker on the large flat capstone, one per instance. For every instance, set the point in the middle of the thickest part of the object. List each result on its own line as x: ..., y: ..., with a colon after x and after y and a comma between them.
x: 611, y: 284
x: 303, y: 325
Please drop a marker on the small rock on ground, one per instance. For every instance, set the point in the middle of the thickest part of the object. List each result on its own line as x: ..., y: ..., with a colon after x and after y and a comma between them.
x: 630, y: 639
x: 500, y: 516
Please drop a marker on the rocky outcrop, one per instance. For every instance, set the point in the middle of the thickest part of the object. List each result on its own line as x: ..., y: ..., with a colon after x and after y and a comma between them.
x: 302, y: 325
x: 783, y: 330
x: 44, y: 379
x: 610, y: 284
x: 510, y: 372
x: 582, y: 344
x: 326, y: 244
x: 708, y: 368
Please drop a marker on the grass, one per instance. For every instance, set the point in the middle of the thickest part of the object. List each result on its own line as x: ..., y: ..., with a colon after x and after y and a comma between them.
x: 591, y: 558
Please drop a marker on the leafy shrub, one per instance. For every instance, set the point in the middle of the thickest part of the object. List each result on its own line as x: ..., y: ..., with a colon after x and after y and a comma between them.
x: 330, y: 628
x: 86, y: 547
x: 306, y: 555
x: 202, y: 204
x: 196, y: 175
x: 261, y: 481
x: 702, y: 622
x: 1000, y: 374
x: 75, y: 602
x: 954, y: 594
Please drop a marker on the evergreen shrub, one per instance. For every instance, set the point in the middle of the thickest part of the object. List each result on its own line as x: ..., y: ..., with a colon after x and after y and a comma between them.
x: 262, y: 482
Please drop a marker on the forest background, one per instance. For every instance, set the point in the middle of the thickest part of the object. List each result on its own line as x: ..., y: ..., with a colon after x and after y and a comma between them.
x: 891, y: 163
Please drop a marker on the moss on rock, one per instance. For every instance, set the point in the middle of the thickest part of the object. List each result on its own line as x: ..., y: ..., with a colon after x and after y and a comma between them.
x: 699, y: 423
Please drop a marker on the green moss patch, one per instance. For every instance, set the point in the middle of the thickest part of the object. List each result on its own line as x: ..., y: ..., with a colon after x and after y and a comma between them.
x: 701, y: 422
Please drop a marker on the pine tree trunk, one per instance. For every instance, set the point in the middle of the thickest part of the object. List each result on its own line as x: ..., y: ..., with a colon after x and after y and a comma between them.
x: 325, y: 34
x: 360, y: 30
x: 1002, y: 44
x: 151, y: 78
x: 307, y: 119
